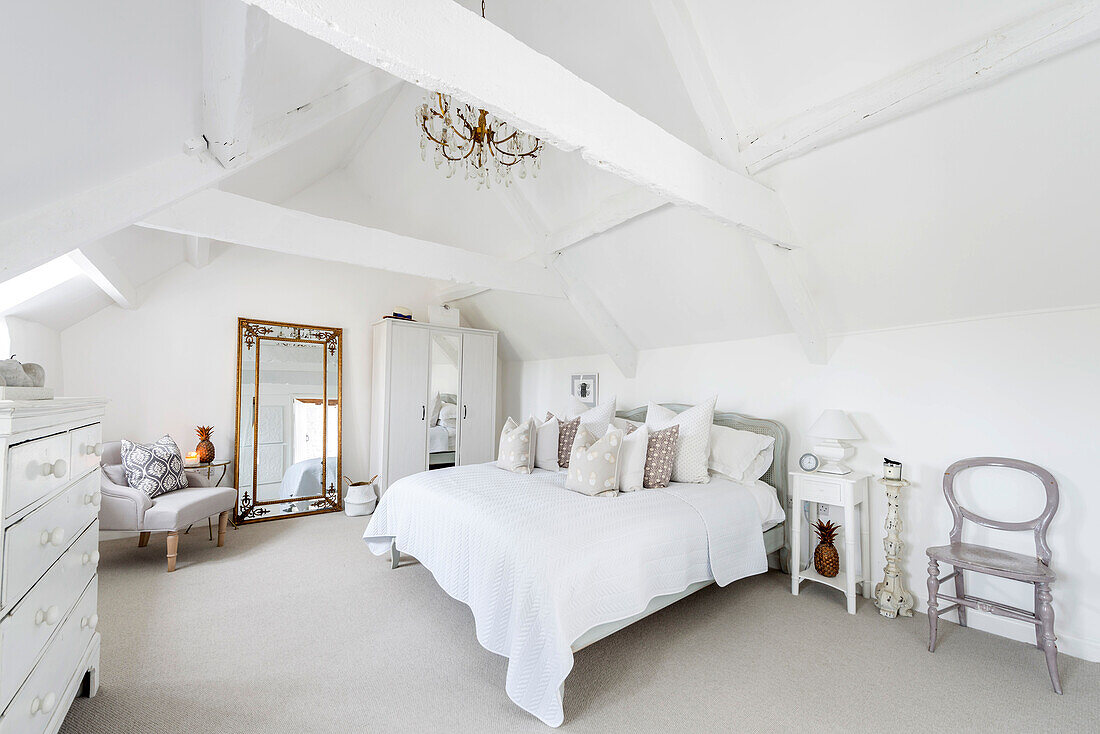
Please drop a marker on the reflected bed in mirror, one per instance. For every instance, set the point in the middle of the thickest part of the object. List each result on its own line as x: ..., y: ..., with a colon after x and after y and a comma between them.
x: 288, y: 459
x: 443, y: 415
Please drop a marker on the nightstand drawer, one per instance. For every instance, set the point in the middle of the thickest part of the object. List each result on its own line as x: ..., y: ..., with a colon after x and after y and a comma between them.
x: 812, y: 489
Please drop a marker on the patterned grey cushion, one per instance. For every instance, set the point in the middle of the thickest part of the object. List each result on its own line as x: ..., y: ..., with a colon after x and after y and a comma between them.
x: 567, y: 431
x: 659, y: 457
x: 154, y: 468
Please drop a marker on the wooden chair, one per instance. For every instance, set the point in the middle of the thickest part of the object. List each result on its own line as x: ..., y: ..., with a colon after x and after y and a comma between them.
x: 995, y: 562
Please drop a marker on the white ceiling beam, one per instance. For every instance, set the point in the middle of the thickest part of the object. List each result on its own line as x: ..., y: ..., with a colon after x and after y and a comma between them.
x: 427, y: 42
x: 599, y: 320
x: 226, y: 217
x: 1007, y: 50
x: 584, y: 300
x: 679, y: 31
x: 234, y: 39
x: 33, y: 238
x: 458, y: 292
x: 781, y: 267
x: 709, y: 104
x: 374, y: 119
x: 196, y: 250
x: 102, y: 269
x: 611, y: 212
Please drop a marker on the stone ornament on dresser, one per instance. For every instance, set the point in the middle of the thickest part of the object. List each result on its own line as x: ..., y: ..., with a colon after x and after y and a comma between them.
x: 20, y: 381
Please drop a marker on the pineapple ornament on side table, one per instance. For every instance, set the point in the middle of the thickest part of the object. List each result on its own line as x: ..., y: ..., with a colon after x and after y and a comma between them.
x: 205, y: 449
x: 826, y: 558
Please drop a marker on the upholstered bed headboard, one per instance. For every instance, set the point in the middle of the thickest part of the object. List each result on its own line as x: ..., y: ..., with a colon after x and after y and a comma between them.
x: 777, y: 472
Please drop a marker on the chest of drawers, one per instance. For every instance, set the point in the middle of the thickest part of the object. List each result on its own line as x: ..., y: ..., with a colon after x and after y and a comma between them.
x: 49, y: 539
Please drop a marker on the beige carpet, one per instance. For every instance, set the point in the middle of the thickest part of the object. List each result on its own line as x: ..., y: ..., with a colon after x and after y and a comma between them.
x: 295, y: 627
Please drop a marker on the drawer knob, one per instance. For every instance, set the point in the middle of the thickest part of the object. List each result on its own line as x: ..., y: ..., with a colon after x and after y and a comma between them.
x: 50, y: 616
x: 89, y: 622
x: 54, y: 537
x: 96, y: 449
x: 57, y: 469
x: 93, y: 498
x: 44, y: 704
x: 87, y: 558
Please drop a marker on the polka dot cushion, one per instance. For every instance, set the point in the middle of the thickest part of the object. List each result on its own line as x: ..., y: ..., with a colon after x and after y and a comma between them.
x: 594, y: 464
x: 516, y: 451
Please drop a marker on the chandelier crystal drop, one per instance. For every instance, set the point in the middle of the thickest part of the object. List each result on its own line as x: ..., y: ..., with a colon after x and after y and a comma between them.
x: 486, y: 149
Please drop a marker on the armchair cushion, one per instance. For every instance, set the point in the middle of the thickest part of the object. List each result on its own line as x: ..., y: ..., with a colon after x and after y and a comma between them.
x: 155, y: 468
x: 183, y: 507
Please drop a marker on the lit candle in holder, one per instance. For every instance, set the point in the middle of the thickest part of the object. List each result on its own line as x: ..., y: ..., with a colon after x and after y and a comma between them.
x: 192, y: 459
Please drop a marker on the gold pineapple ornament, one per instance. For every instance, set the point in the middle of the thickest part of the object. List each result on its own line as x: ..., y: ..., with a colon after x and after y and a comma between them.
x: 205, y: 449
x: 826, y: 558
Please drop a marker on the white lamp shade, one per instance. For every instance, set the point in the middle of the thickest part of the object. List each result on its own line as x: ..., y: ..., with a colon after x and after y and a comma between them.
x: 835, y: 425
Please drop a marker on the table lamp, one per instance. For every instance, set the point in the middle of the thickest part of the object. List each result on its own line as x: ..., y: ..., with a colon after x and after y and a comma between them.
x: 835, y: 429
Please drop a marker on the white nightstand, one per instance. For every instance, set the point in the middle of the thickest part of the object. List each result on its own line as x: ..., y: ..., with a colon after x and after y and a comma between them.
x: 848, y: 491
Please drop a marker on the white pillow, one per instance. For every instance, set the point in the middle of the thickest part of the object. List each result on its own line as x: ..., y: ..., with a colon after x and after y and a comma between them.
x: 448, y: 411
x: 597, y: 419
x: 516, y: 451
x: 433, y: 414
x: 632, y: 459
x: 693, y: 443
x: 624, y: 425
x: 739, y: 455
x: 546, y: 443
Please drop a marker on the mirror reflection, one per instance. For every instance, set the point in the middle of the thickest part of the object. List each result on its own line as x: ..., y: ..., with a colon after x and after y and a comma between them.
x: 288, y: 445
x: 443, y: 413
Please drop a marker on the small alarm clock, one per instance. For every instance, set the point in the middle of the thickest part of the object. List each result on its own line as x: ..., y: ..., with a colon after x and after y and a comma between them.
x: 808, y: 462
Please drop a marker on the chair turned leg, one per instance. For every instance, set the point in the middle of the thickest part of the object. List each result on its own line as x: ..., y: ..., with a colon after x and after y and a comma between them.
x: 143, y: 540
x: 960, y: 591
x: 223, y: 524
x: 173, y: 544
x: 933, y: 604
x: 1045, y: 613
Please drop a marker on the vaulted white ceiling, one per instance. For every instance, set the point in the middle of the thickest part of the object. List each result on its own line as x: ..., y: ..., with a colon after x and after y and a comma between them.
x: 976, y: 205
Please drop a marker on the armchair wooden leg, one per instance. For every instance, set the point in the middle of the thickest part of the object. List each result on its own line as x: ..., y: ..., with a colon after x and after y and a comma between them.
x: 173, y: 545
x: 143, y: 540
x: 933, y: 603
x: 223, y: 522
x: 209, y: 528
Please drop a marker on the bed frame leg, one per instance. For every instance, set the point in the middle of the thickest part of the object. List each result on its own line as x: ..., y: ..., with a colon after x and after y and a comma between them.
x: 395, y: 555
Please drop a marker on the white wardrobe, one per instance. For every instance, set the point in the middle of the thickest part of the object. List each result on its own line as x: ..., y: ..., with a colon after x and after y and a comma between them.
x: 434, y: 398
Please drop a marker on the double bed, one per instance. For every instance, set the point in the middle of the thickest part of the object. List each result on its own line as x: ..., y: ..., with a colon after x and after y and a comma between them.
x: 547, y: 571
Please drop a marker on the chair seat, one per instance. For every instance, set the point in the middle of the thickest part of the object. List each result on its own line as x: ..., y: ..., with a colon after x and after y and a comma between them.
x: 992, y: 561
x: 178, y: 509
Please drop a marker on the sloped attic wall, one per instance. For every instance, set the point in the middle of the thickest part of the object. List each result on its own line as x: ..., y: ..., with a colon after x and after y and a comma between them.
x: 170, y: 365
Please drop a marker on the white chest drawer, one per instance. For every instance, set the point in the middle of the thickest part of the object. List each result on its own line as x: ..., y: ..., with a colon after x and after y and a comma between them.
x: 35, y: 469
x: 47, y: 694
x: 87, y: 447
x: 35, y: 542
x: 30, y: 625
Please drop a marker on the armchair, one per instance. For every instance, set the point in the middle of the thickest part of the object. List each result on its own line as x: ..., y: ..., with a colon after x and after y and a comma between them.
x: 128, y: 509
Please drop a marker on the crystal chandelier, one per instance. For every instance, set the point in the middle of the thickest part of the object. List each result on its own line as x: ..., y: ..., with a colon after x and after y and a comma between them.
x: 468, y: 137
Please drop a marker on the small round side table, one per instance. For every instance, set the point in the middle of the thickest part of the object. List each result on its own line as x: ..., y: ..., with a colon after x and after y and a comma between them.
x: 891, y: 596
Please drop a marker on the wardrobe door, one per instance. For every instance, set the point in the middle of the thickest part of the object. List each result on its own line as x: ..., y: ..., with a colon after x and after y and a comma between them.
x: 408, y: 403
x: 477, y: 413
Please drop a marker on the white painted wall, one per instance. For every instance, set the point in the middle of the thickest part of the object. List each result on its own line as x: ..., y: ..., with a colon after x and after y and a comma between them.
x: 30, y: 341
x: 171, y: 365
x: 1024, y: 386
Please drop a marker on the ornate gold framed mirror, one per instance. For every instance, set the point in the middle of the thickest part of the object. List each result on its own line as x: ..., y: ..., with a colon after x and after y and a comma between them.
x: 289, y: 410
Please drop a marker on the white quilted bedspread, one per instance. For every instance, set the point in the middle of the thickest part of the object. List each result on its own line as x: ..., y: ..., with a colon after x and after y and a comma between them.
x: 539, y: 565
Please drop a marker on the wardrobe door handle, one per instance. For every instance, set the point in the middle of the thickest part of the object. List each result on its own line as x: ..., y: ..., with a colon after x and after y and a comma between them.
x: 423, y: 412
x: 463, y: 412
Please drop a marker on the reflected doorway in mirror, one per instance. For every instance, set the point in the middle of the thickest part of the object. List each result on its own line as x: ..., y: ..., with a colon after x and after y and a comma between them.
x: 586, y: 388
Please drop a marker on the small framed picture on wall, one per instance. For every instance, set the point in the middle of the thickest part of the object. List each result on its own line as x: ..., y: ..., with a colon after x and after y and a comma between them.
x: 585, y: 388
